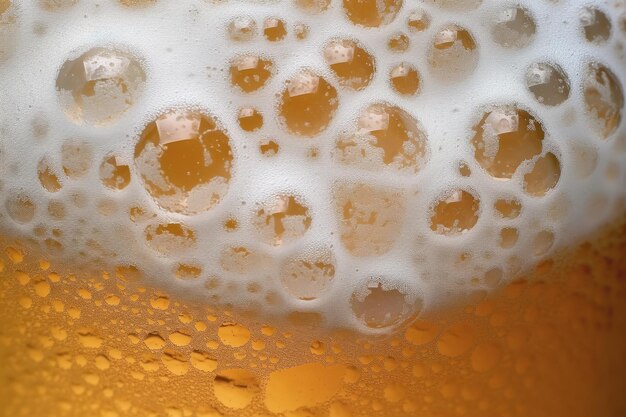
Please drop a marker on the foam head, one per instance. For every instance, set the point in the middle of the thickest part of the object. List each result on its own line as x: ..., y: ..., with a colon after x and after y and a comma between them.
x: 367, y: 162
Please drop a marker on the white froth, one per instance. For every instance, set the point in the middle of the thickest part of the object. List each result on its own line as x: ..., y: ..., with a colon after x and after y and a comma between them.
x: 186, y: 54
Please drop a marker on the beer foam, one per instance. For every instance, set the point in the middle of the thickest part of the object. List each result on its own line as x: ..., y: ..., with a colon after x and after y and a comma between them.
x: 367, y: 162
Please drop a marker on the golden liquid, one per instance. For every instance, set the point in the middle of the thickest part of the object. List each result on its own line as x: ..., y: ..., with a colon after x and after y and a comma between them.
x: 552, y: 343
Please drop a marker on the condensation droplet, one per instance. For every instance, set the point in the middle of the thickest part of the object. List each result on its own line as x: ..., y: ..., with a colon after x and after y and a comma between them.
x: 456, y: 340
x: 235, y: 388
x: 233, y: 334
x: 485, y: 357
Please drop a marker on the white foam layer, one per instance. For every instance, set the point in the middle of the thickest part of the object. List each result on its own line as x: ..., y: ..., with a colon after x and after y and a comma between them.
x: 185, y: 53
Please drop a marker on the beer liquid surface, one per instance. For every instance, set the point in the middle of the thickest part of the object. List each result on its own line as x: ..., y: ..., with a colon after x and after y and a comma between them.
x: 312, y: 207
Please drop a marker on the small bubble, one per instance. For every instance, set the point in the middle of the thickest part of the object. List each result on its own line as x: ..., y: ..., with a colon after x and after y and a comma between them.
x: 99, y: 86
x: 114, y: 173
x: 544, y: 176
x: 20, y: 208
x: 508, y: 237
x: 543, y: 242
x: 47, y: 177
x: 398, y: 43
x: 405, y: 79
x: 168, y: 238
x: 596, y: 25
x: 372, y: 13
x: 269, y: 147
x: 508, y: 208
x: 382, y: 307
x: 455, y: 212
x: 307, y: 104
x: 548, y: 83
x: 514, y: 28
x: 313, y: 6
x: 385, y: 136
x: 187, y: 272
x: 604, y: 99
x: 274, y: 29
x: 76, y: 158
x: 242, y: 29
x: 307, y: 277
x: 282, y: 219
x: 505, y: 138
x: 418, y: 21
x: 250, y: 119
x: 370, y: 218
x: 250, y: 72
x: 453, y: 54
x: 301, y: 31
x: 351, y: 63
x: 185, y: 161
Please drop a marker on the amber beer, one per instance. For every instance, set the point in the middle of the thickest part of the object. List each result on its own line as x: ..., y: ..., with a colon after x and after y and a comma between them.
x: 551, y: 343
x: 312, y: 208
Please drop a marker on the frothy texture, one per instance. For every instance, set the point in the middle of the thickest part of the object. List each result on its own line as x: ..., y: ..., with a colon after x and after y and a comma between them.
x: 366, y: 161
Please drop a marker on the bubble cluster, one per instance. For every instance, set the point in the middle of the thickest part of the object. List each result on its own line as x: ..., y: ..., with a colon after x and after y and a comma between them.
x: 351, y: 164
